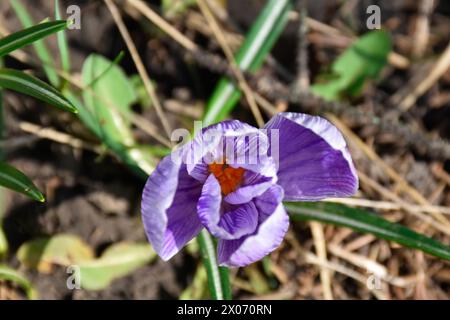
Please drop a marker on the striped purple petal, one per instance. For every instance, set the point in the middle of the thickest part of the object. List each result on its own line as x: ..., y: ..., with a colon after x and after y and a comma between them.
x: 234, y: 142
x: 273, y: 223
x: 314, y: 162
x: 225, y: 221
x: 169, y: 207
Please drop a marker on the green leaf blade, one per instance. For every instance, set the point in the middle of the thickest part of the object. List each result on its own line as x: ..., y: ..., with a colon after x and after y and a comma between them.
x: 366, y: 222
x: 60, y: 249
x: 111, y: 98
x: 29, y: 35
x: 32, y: 86
x: 42, y: 51
x: 108, y: 97
x: 3, y: 243
x: 6, y: 273
x: 13, y: 179
x: 62, y: 42
x: 257, y: 44
x: 362, y: 61
x: 117, y: 261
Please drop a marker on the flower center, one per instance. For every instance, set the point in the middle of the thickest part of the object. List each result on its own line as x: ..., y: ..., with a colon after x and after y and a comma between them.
x: 229, y: 178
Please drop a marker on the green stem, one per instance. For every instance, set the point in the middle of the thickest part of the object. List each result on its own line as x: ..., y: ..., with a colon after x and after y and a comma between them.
x: 226, y: 284
x: 218, y: 277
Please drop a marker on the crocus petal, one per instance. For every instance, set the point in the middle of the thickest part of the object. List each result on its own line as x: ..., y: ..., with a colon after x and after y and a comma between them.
x: 240, y: 221
x: 225, y: 222
x: 268, y: 202
x: 249, y: 249
x: 169, y: 207
x: 207, y: 145
x: 253, y: 185
x: 233, y: 142
x: 314, y: 162
x: 270, y: 233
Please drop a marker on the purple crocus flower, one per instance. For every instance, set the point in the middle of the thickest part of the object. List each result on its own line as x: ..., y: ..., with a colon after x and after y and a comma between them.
x: 216, y: 182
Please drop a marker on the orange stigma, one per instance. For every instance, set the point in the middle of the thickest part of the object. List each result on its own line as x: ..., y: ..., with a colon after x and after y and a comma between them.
x: 229, y: 178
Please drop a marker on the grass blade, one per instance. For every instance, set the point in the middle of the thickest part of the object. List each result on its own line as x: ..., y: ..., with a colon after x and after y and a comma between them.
x: 3, y: 241
x: 29, y: 85
x: 13, y: 179
x: 28, y: 36
x: 62, y: 45
x: 258, y: 43
x: 366, y: 222
x: 48, y: 61
x: 9, y: 274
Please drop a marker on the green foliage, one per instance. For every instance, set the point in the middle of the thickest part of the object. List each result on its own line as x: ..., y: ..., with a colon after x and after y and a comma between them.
x: 95, y: 273
x: 48, y: 62
x: 108, y: 99
x: 3, y: 240
x: 28, y: 36
x: 13, y: 179
x: 62, y: 43
x: 117, y: 261
x: 26, y: 84
x: 62, y: 249
x: 218, y: 277
x: 9, y: 274
x: 361, y: 61
x: 139, y: 87
x: 112, y: 98
x: 173, y: 8
x: 140, y: 161
x: 366, y: 222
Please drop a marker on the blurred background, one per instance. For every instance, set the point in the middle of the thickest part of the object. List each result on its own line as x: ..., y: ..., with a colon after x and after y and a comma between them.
x: 92, y: 208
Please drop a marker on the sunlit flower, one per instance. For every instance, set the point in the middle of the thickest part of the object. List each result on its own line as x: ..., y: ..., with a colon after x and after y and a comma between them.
x: 232, y: 178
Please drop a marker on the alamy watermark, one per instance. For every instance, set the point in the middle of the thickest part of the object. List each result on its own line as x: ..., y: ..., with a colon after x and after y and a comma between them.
x: 373, y: 282
x: 73, y: 281
x: 74, y: 15
x: 374, y: 19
